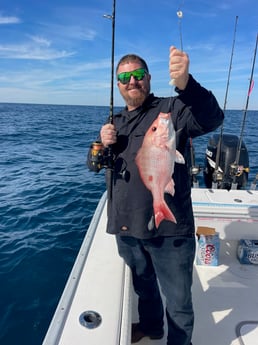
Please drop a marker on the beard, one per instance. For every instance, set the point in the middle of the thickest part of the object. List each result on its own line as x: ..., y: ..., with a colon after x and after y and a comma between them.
x: 138, y: 99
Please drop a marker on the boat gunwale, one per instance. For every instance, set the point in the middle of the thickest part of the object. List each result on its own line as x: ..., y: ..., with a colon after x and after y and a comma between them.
x: 55, y: 329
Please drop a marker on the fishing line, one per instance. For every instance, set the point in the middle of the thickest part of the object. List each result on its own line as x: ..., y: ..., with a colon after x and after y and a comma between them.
x: 179, y: 14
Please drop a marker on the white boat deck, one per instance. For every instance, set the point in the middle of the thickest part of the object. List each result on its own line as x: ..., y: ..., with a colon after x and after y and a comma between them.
x: 225, y: 302
x: 225, y: 297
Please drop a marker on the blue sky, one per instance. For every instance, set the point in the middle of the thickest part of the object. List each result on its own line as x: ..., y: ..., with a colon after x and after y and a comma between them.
x: 58, y: 51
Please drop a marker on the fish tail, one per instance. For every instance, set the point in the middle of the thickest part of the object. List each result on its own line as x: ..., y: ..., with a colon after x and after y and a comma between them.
x: 162, y: 212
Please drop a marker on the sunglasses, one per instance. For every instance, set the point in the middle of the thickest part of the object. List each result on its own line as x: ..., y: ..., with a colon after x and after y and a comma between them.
x: 125, y: 77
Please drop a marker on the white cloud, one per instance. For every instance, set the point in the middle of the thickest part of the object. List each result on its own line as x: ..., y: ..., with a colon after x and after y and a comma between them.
x: 62, y: 75
x: 85, y: 35
x: 32, y: 52
x: 41, y: 40
x: 74, y: 32
x: 9, y: 20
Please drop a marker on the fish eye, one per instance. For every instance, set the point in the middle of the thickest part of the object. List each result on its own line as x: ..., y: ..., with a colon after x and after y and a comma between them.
x: 154, y: 129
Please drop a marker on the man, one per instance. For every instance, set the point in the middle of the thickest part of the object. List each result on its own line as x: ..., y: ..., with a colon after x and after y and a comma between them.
x: 164, y: 254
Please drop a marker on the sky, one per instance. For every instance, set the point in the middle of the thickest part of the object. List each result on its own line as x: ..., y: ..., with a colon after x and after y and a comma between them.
x: 59, y: 51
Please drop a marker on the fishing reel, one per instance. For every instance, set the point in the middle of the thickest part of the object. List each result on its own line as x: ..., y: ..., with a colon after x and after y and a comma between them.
x: 99, y: 157
x: 237, y: 170
x: 239, y: 175
x: 217, y: 176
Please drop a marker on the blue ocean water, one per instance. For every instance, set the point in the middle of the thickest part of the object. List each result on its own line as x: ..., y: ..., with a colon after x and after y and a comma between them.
x: 47, y: 199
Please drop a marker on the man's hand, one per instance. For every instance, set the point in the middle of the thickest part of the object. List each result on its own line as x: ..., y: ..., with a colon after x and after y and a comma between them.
x: 178, y: 67
x: 108, y: 135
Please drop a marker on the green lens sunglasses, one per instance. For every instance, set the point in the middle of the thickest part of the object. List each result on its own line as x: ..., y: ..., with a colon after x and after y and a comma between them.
x: 125, y: 77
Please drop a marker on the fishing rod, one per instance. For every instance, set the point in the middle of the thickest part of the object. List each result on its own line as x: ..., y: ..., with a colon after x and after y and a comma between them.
x: 99, y: 157
x: 112, y: 17
x: 194, y: 170
x: 235, y: 165
x: 217, y: 175
x: 109, y: 158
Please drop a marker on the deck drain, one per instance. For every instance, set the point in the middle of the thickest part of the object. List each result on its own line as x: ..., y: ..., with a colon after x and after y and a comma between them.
x: 238, y: 200
x: 90, y: 319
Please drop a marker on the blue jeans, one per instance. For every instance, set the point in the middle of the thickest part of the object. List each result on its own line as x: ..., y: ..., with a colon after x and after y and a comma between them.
x: 170, y: 259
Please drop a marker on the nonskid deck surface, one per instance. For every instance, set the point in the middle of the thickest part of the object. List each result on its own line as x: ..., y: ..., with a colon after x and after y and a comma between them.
x: 225, y: 302
x: 225, y: 297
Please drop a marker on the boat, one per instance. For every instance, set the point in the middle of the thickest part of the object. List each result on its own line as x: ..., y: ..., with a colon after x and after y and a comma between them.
x: 98, y: 304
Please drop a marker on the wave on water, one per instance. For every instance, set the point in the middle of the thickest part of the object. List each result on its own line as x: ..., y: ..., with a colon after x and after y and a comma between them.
x: 47, y: 198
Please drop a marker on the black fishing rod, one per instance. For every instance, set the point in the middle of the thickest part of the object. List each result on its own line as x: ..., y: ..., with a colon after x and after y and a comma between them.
x: 235, y: 165
x: 110, y: 160
x: 217, y: 175
x: 194, y: 170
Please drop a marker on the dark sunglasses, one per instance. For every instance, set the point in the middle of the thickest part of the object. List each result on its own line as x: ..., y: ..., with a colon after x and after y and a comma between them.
x: 125, y: 77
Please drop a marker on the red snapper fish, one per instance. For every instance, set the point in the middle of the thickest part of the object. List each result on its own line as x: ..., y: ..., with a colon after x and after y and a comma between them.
x: 155, y: 161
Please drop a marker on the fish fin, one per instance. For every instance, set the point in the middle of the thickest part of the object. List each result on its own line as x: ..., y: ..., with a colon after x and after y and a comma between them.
x: 162, y: 212
x: 170, y: 187
x: 179, y: 158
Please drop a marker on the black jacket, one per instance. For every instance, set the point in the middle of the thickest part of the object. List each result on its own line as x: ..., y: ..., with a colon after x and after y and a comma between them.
x: 195, y: 111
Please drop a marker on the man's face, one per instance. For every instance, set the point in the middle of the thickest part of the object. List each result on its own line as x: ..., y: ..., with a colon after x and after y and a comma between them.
x: 135, y: 91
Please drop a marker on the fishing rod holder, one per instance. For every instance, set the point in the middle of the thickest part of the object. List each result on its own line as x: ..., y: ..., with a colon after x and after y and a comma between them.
x: 194, y: 170
x: 254, y: 183
x: 217, y: 176
x: 233, y: 169
x: 90, y: 319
